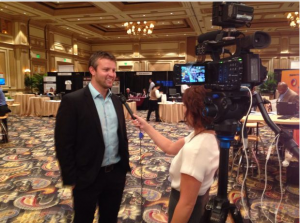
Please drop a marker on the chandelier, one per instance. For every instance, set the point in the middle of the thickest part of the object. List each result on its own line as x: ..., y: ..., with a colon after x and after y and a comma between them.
x: 293, y: 18
x: 139, y: 28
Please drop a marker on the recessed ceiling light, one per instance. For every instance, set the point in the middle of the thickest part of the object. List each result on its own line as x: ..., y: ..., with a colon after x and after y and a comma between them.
x: 86, y: 37
x: 24, y: 13
x: 212, y: 26
x: 144, y: 15
x: 1, y: 9
x: 108, y: 26
x: 100, y: 17
x: 67, y: 27
x: 5, y: 7
x: 171, y: 13
x: 163, y: 23
x: 178, y: 22
x: 184, y: 34
x: 118, y: 37
x: 78, y: 19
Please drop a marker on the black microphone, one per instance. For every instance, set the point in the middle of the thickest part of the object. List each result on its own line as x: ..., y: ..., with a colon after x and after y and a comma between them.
x: 123, y: 100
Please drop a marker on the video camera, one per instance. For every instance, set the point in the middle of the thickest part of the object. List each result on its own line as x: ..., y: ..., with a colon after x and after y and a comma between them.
x: 243, y: 68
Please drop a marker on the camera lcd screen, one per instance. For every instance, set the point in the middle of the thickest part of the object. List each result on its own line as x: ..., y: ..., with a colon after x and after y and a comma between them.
x: 2, y: 81
x: 193, y: 74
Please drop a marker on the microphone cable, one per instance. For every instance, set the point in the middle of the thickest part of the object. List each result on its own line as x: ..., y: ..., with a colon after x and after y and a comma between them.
x: 266, y: 176
x: 247, y: 209
x: 141, y: 136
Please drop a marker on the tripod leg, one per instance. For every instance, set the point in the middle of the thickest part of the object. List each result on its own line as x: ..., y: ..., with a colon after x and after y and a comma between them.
x: 236, y: 214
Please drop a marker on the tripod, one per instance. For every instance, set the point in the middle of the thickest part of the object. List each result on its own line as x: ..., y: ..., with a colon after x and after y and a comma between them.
x: 227, y: 108
x: 218, y: 208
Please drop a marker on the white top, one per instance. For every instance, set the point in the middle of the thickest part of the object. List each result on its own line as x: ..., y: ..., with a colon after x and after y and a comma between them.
x: 152, y: 84
x: 199, y: 158
x: 184, y: 87
x: 157, y: 93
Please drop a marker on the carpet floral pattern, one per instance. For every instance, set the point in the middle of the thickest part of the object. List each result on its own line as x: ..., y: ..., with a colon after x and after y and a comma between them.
x: 31, y: 189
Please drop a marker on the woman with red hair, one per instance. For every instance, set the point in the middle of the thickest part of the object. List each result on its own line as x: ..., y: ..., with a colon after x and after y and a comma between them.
x: 195, y: 163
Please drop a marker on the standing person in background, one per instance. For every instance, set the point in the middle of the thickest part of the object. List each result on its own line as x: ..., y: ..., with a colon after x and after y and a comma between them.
x: 3, y: 111
x: 91, y: 143
x: 196, y: 159
x: 153, y: 102
x: 151, y: 86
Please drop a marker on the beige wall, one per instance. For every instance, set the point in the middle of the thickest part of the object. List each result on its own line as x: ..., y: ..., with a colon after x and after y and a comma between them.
x: 19, y: 52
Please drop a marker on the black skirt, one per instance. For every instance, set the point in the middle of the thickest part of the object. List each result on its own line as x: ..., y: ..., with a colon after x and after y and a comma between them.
x: 199, y: 207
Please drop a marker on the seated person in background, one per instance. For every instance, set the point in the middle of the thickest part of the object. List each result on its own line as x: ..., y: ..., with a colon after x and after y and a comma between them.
x: 196, y: 159
x: 287, y: 95
x: 144, y: 94
x: 129, y: 93
x: 3, y: 111
x: 51, y: 92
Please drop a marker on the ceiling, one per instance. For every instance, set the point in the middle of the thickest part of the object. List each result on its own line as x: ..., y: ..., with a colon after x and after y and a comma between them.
x: 103, y: 21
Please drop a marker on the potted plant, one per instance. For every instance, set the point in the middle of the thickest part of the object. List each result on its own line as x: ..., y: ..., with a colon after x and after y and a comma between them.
x: 39, y: 82
x: 35, y: 82
x: 269, y: 86
x: 29, y: 82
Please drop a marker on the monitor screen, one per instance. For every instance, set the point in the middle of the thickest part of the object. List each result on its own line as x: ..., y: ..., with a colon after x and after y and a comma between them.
x: 172, y: 91
x: 193, y: 74
x: 2, y: 81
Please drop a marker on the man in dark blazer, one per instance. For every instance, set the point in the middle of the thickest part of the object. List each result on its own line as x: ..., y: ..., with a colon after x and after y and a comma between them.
x: 91, y: 143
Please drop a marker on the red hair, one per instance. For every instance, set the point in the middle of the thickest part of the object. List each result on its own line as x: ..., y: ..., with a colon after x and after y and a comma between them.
x: 193, y: 99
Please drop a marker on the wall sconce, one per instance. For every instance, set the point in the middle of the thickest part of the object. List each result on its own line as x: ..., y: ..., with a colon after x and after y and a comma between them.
x: 27, y: 71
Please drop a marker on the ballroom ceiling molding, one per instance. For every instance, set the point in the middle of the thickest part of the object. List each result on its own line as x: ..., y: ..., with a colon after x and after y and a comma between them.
x: 103, y: 21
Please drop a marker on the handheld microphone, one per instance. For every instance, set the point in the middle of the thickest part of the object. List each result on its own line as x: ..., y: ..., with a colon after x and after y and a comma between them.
x: 123, y: 100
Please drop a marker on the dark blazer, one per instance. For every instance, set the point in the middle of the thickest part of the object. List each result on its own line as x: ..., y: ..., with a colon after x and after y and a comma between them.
x: 79, y: 140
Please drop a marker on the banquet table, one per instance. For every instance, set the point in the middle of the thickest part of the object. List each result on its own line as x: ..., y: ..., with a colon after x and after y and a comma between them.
x: 23, y: 100
x: 9, y: 101
x: 139, y: 100
x: 35, y: 106
x: 171, y: 112
x: 50, y: 107
x: 132, y: 106
x: 257, y: 117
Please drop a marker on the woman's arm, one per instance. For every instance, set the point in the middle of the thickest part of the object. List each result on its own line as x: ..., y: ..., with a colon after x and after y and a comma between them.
x: 157, y: 94
x: 162, y: 142
x: 189, y: 188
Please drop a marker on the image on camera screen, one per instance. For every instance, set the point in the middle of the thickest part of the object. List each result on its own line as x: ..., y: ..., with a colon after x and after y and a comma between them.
x: 193, y: 74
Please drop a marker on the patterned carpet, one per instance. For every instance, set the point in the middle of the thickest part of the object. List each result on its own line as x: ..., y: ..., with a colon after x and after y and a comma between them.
x: 31, y: 190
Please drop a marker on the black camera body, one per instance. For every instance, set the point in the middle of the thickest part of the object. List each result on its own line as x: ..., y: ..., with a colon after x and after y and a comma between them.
x: 243, y: 68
